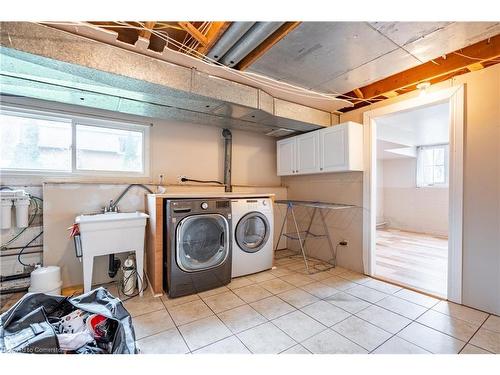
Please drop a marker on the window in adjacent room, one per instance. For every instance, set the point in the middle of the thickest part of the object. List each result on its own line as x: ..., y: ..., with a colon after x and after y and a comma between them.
x: 432, y: 165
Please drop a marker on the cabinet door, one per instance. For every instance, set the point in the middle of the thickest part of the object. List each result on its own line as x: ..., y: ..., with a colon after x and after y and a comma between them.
x: 286, y: 156
x: 308, y: 153
x: 333, y: 149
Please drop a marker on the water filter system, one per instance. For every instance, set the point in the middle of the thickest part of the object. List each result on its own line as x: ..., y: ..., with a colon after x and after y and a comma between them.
x: 20, y: 201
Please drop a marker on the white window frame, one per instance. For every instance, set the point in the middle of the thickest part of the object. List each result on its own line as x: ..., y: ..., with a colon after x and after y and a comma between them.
x: 419, y: 175
x: 75, y: 120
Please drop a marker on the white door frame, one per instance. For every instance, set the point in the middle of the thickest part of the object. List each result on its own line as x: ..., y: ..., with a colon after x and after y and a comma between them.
x: 455, y: 97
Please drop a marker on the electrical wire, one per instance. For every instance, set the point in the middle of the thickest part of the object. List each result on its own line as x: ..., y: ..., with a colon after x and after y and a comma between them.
x: 474, y: 58
x: 265, y: 81
x: 291, y: 89
x: 25, y: 247
x: 184, y: 179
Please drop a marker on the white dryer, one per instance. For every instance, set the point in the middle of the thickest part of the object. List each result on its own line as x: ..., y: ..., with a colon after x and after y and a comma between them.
x: 253, y: 227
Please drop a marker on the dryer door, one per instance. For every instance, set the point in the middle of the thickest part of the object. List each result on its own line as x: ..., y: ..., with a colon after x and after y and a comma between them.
x: 252, y: 232
x: 202, y: 242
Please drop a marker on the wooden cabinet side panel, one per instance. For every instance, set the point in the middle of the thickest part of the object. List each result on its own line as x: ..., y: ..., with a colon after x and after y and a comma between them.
x: 154, y: 244
x: 159, y: 247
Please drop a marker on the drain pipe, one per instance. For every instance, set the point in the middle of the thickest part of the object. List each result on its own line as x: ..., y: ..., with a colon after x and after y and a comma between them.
x: 228, y: 145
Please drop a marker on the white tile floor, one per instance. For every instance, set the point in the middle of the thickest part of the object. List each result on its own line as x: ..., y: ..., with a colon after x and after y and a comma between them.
x: 285, y: 311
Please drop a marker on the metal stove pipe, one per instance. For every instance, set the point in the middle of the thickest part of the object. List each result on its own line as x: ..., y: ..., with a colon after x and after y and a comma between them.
x: 228, y: 145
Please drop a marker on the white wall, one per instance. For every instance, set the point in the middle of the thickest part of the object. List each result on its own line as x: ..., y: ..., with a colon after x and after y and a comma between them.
x: 423, y: 209
x: 380, y: 192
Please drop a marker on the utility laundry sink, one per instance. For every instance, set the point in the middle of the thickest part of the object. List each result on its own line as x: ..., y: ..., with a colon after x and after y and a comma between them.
x: 111, y: 233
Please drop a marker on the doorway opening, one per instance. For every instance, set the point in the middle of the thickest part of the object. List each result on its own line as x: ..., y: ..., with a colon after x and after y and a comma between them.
x: 413, y: 193
x: 412, y: 198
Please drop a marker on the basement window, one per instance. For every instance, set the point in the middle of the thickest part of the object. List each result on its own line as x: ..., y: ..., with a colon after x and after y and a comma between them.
x: 432, y: 165
x: 34, y: 142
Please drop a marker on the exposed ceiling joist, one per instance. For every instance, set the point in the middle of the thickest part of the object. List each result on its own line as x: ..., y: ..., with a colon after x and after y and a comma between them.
x: 194, y: 32
x: 213, y: 35
x: 483, y: 51
x: 146, y: 33
x: 275, y: 37
x: 358, y: 93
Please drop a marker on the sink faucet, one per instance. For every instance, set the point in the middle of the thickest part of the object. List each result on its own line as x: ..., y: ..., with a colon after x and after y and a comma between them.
x: 112, y: 207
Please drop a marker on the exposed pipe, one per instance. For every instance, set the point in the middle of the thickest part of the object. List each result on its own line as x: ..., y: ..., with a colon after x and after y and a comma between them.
x: 253, y: 38
x: 228, y: 145
x: 234, y: 33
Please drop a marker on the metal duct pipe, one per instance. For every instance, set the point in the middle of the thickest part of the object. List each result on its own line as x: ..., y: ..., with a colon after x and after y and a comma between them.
x: 229, y: 38
x: 228, y: 146
x: 255, y: 36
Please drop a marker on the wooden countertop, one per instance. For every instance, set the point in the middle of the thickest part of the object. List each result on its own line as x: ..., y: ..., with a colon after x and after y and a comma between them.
x: 212, y: 195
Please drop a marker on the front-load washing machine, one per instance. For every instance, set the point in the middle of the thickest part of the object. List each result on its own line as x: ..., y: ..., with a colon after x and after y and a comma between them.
x: 252, y: 235
x: 197, y: 246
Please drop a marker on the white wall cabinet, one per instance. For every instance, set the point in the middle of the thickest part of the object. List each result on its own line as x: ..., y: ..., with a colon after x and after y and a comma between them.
x: 338, y: 148
x: 307, y: 153
x: 286, y: 156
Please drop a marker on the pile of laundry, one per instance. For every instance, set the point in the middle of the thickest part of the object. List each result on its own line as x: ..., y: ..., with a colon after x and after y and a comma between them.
x: 83, y: 332
x: 93, y: 323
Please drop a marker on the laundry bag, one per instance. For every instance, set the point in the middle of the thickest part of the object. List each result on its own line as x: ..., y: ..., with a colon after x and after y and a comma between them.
x: 92, y: 323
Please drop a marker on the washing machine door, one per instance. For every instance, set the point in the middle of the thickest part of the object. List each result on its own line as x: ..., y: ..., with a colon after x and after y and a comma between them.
x: 252, y: 232
x: 202, y: 242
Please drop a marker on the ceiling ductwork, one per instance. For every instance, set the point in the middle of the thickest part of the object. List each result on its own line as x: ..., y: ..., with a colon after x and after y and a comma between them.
x: 45, y: 63
x: 251, y: 40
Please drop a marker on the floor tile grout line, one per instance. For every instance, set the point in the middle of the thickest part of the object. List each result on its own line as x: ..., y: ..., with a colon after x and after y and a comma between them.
x: 444, y: 333
x: 416, y: 321
x: 474, y: 334
x: 452, y: 318
x: 232, y: 333
x: 395, y: 334
x: 175, y: 326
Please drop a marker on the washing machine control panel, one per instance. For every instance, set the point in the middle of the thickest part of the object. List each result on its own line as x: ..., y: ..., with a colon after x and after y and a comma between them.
x: 204, y: 205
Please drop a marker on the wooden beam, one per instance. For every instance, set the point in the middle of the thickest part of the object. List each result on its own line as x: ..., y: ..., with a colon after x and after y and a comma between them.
x: 213, y: 35
x: 146, y: 33
x: 194, y: 32
x: 358, y: 93
x: 274, y: 38
x: 453, y: 62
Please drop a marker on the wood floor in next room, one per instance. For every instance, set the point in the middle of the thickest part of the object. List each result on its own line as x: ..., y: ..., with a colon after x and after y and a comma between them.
x: 416, y: 260
x: 286, y: 310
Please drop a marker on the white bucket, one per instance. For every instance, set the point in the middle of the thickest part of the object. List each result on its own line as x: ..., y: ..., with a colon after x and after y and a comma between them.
x: 6, y: 214
x: 22, y: 212
x: 46, y: 280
